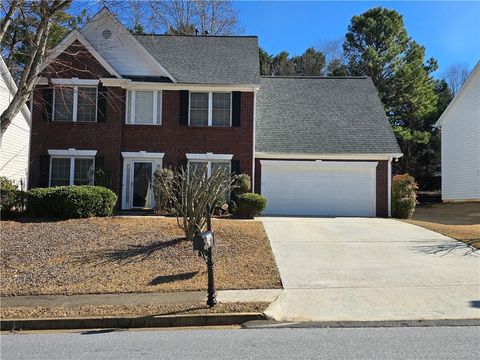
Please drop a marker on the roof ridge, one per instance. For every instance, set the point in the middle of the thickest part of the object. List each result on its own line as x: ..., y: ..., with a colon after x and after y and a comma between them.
x: 312, y: 77
x: 199, y: 36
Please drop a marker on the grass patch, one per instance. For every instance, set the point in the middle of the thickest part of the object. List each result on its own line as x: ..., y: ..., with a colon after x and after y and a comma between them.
x: 133, y: 310
x: 460, y: 221
x: 123, y: 255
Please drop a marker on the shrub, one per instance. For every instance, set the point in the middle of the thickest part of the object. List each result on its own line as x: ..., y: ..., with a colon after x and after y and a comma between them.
x: 250, y: 204
x: 404, y: 198
x: 243, y: 184
x: 163, y: 189
x: 70, y: 202
x: 10, y: 197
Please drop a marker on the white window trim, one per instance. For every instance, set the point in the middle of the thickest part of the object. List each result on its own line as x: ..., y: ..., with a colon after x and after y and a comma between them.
x: 72, y: 167
x: 156, y: 120
x: 210, y: 157
x: 72, y: 152
x: 210, y: 107
x: 142, y: 155
x: 75, y: 101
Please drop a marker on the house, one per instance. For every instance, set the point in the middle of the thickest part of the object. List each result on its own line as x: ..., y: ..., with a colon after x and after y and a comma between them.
x: 111, y: 107
x: 15, y: 141
x: 460, y: 142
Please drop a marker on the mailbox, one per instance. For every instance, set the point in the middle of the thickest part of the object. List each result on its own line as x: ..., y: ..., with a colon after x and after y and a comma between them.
x: 203, y: 241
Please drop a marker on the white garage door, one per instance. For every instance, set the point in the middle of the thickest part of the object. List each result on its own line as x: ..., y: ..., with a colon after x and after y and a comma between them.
x: 319, y: 188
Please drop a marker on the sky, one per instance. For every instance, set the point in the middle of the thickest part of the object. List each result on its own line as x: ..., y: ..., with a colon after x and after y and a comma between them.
x: 449, y: 30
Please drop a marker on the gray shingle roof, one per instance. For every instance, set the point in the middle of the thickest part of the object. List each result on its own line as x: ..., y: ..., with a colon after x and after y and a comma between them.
x: 321, y: 115
x: 206, y: 59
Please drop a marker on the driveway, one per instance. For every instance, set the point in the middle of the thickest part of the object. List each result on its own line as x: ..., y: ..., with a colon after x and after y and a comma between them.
x: 370, y: 269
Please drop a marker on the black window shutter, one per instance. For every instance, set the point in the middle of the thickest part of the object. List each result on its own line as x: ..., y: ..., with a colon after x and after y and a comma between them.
x: 102, y: 104
x: 48, y: 103
x: 183, y: 113
x: 182, y: 163
x: 236, y: 108
x: 44, y: 170
x: 235, y: 166
x: 99, y: 176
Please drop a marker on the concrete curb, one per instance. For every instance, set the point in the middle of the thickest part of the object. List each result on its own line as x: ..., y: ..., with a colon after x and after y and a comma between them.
x: 130, y: 321
x: 272, y: 324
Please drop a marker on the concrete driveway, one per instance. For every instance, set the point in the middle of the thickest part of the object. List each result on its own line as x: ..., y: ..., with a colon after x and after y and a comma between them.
x: 370, y: 269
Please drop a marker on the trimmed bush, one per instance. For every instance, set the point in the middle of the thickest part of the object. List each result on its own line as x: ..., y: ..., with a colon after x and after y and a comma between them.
x: 163, y: 189
x: 10, y: 197
x: 404, y: 198
x: 250, y: 204
x: 70, y: 202
x: 243, y: 184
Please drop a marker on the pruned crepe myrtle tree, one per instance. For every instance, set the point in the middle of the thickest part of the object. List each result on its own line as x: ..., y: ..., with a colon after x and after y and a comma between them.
x: 192, y: 192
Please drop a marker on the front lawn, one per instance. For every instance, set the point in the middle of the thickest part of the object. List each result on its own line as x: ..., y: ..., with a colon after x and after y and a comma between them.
x: 135, y: 254
x: 459, y: 221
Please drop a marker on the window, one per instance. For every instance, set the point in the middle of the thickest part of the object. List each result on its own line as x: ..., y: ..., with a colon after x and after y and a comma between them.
x: 210, y: 166
x: 71, y: 171
x: 144, y: 107
x: 210, y: 109
x: 75, y: 103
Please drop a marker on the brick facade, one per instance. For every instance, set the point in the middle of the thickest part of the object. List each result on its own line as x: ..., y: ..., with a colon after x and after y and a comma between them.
x: 114, y: 136
x: 381, y: 182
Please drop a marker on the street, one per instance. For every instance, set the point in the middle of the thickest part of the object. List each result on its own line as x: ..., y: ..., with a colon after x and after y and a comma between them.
x: 347, y: 343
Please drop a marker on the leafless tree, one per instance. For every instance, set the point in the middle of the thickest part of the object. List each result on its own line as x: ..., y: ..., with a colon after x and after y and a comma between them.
x: 184, y: 16
x: 193, y: 192
x: 455, y: 75
x: 333, y: 54
x: 38, y: 49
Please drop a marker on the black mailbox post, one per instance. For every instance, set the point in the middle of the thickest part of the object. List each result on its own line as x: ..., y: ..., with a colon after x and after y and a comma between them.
x: 203, y: 243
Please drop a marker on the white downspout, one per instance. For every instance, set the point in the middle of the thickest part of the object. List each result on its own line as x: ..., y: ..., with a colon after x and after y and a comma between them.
x: 254, y: 126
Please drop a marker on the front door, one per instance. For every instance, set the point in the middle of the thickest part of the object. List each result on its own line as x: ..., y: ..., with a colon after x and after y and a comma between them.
x: 142, y: 184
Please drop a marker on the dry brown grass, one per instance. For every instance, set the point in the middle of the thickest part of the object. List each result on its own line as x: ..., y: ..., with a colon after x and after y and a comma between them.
x: 459, y: 221
x: 119, y: 255
x: 133, y: 310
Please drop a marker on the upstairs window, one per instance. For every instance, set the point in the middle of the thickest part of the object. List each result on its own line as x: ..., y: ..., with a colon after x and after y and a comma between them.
x: 75, y: 104
x: 210, y: 109
x: 144, y: 107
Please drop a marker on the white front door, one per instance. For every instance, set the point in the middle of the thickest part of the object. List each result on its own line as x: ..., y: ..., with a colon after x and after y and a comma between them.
x: 137, y: 188
x: 319, y: 188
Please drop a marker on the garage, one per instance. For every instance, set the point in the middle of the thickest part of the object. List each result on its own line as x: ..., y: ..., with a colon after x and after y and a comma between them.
x: 319, y: 188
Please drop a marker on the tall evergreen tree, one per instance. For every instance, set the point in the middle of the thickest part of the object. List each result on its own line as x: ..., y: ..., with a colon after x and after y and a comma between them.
x: 377, y: 45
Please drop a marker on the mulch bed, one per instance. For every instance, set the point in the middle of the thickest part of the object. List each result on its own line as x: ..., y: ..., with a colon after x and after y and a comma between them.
x: 120, y: 255
x: 134, y: 310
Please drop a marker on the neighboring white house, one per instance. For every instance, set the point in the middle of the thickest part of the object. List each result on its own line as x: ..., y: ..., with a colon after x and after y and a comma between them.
x: 14, y: 143
x: 460, y: 137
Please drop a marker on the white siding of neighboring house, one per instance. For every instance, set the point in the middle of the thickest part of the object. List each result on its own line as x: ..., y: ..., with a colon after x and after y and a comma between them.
x: 14, y: 143
x: 460, y: 143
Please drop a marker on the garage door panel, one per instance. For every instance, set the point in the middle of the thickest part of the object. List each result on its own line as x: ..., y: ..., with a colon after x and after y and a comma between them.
x: 319, y: 189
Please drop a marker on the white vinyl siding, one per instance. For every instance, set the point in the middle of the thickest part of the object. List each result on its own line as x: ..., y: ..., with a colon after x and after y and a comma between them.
x: 14, y: 142
x: 144, y: 107
x: 460, y: 143
x: 210, y: 109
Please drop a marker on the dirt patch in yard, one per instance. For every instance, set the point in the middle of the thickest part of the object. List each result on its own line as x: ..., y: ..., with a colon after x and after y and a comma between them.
x: 134, y: 310
x: 459, y: 221
x: 121, y: 255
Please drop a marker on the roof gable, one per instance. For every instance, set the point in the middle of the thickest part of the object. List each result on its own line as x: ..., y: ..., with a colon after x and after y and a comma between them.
x: 120, y: 48
x: 315, y: 115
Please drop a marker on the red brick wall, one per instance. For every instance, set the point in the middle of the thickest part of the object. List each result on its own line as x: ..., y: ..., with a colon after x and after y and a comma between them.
x: 381, y: 176
x: 114, y: 136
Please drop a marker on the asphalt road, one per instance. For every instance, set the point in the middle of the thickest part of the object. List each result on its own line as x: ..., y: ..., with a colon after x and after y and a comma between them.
x: 361, y: 343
